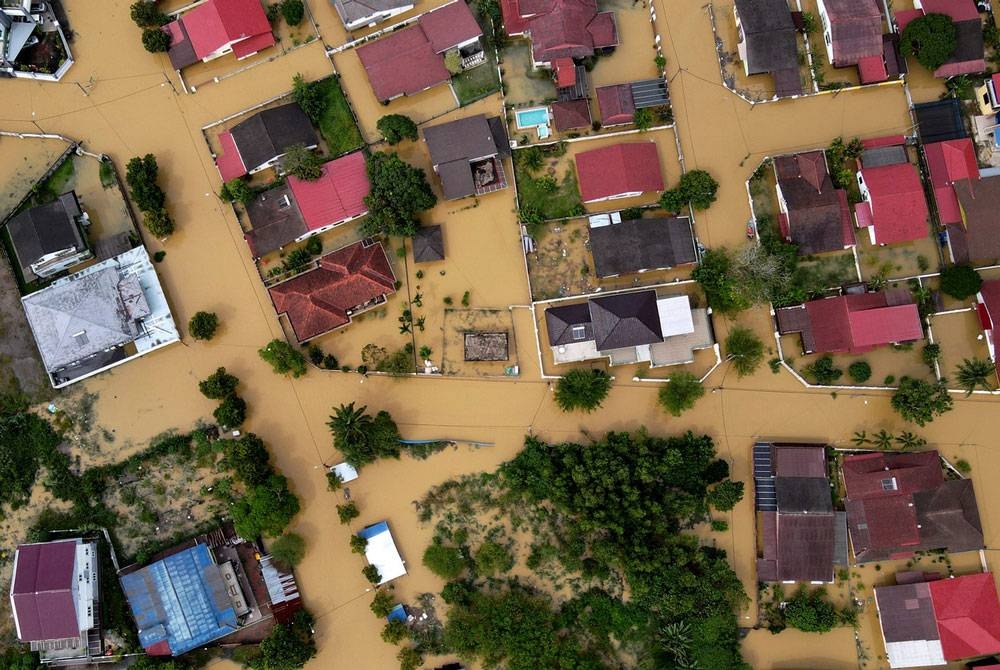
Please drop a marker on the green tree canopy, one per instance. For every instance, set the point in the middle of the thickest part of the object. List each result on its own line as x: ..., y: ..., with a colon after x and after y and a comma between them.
x: 680, y: 393
x: 147, y: 14
x: 445, y: 561
x: 973, y: 373
x: 859, y: 371
x: 920, y: 401
x: 155, y: 40
x: 361, y: 438
x: 203, y: 325
x: 24, y: 440
x: 141, y: 174
x: 249, y: 459
x: 293, y: 11
x: 717, y: 278
x: 809, y: 611
x: 237, y: 190
x: 582, y: 389
x: 744, y: 349
x: 302, y: 163
x: 309, y: 96
x: 492, y: 558
x: 960, y: 281
x: 931, y: 39
x: 218, y: 385
x: 397, y: 127
x: 725, y: 495
x: 284, y: 358
x: 398, y: 192
x: 158, y: 222
x: 288, y: 646
x: 231, y: 412
x: 266, y: 509
x: 699, y: 188
x: 289, y: 550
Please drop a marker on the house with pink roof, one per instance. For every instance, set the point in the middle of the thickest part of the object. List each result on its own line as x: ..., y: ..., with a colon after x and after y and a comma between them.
x: 216, y: 28
x: 893, y: 207
x: 950, y: 162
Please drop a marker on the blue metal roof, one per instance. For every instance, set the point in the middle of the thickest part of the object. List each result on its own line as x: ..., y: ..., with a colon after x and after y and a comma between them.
x: 180, y: 600
x: 368, y: 532
x: 398, y: 613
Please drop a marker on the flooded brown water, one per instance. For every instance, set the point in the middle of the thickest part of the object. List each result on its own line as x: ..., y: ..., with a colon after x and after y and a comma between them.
x: 133, y: 109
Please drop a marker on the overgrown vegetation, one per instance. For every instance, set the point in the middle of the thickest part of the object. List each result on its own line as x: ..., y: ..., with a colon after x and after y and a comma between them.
x: 931, y: 39
x: 960, y: 281
x: 326, y: 105
x: 398, y: 193
x: 141, y: 175
x: 583, y: 389
x: 696, y: 187
x: 397, y: 127
x: 542, y: 197
x: 921, y: 401
x: 806, y: 610
x: 283, y: 358
x: 362, y: 438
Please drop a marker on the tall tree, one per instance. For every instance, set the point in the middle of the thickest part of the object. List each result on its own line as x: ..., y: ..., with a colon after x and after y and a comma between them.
x: 582, y: 389
x: 921, y: 401
x: 680, y: 393
x: 397, y: 127
x: 973, y: 373
x: 931, y: 39
x: 398, y: 192
x: 744, y: 349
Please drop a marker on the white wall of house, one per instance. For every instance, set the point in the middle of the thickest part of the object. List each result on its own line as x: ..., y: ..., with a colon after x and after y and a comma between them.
x: 375, y: 18
x: 630, y: 194
x: 741, y: 45
x: 56, y: 262
x: 827, y: 30
x: 329, y: 226
x: 85, y: 584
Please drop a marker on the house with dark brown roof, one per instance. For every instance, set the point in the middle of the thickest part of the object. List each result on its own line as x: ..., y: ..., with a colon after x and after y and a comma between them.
x: 812, y: 214
x: 976, y: 238
x: 343, y: 284
x: 571, y: 114
x: 428, y: 245
x: 49, y: 239
x: 900, y: 503
x: 467, y: 154
x: 641, y: 245
x: 629, y: 328
x: 54, y: 596
x: 852, y: 31
x: 801, y: 536
x: 929, y: 620
x: 367, y: 13
x: 618, y: 102
x: 258, y: 143
x: 968, y: 57
x: 767, y: 43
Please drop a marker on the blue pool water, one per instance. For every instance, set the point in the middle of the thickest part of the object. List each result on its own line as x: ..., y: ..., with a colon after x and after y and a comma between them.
x: 529, y: 118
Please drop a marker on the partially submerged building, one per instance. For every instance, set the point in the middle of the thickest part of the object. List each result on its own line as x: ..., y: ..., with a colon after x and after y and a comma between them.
x: 343, y: 283
x: 852, y: 34
x: 629, y: 328
x: 361, y: 13
x: 215, y: 28
x: 467, y: 155
x: 381, y: 552
x: 812, y: 214
x: 988, y: 311
x: 893, y: 207
x: 100, y: 317
x: 214, y: 589
x: 800, y: 534
x: 259, y: 142
x: 767, y: 43
x: 28, y: 29
x: 927, y: 620
x: 428, y: 245
x: 619, y: 171
x: 641, y: 245
x: 968, y: 57
x: 900, y: 503
x: 55, y: 600
x: 618, y: 102
x: 49, y: 239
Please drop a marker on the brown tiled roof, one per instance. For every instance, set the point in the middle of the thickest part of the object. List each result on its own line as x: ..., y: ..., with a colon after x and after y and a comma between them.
x: 856, y: 27
x: 980, y: 203
x: 571, y: 114
x: 817, y: 211
x: 799, y: 460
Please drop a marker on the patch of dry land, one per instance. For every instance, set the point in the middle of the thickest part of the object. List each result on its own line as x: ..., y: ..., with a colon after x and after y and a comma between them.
x: 132, y: 106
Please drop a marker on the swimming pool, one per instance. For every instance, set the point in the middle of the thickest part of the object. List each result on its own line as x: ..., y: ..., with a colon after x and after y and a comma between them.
x: 530, y: 118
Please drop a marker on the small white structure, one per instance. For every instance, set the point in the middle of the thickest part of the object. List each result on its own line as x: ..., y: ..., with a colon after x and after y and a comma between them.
x: 345, y: 471
x: 382, y: 553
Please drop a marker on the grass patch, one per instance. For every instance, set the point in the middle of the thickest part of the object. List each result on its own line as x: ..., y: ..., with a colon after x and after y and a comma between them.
x: 337, y: 125
x: 55, y: 185
x: 541, y: 197
x: 478, y: 82
x: 108, y: 174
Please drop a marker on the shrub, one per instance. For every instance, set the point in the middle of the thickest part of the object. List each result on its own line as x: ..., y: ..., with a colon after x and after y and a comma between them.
x: 444, y: 560
x: 333, y: 481
x: 725, y: 495
x: 288, y: 550
x: 358, y: 544
x: 960, y: 281
x: 314, y: 246
x: 372, y: 574
x: 147, y: 14
x: 632, y: 213
x: 643, y: 118
x: 382, y: 603
x: 582, y: 389
x: 283, y: 358
x: 287, y: 646
x: 720, y: 525
x: 744, y: 349
x: 920, y: 401
x: 302, y: 163
x: 203, y: 325
x: 348, y: 513
x: 309, y: 97
x: 159, y: 256
x: 140, y: 175
x: 931, y: 38
x: 681, y: 393
x: 715, y: 274
x: 409, y: 658
x: 931, y: 353
x: 453, y: 61
x: 673, y: 200
x: 231, y: 412
x: 823, y: 371
x: 218, y: 385
x: 155, y: 40
x: 491, y: 558
x: 859, y: 372
x: 395, y: 631
x: 810, y: 612
x: 699, y: 188
x: 293, y: 11
x: 397, y: 127
x: 963, y: 466
x: 237, y: 190
x: 158, y: 222
x: 315, y: 355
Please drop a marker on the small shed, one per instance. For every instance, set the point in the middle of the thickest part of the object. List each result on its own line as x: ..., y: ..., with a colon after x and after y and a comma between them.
x: 345, y: 471
x: 428, y: 245
x: 486, y: 347
x: 382, y: 553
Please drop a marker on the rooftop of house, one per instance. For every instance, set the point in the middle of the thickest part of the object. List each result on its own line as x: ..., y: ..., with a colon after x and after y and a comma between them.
x: 338, y: 195
x: 262, y: 138
x: 320, y: 300
x: 41, y: 591
x: 949, y: 162
x: 408, y: 61
x: 940, y: 120
x: 456, y: 145
x: 978, y: 240
x: 898, y: 205
x: 642, y: 244
x: 770, y: 35
x: 214, y: 24
x: 625, y: 320
x: 616, y: 104
x: 989, y: 296
x: 571, y: 114
x: 46, y: 229
x: 275, y: 220
x: 428, y: 245
x: 819, y: 218
x: 856, y: 28
x: 560, y: 28
x: 968, y: 57
x: 352, y: 11
x: 615, y: 170
x: 561, y: 320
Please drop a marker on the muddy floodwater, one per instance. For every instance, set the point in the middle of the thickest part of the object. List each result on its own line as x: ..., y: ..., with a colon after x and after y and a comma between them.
x: 121, y: 101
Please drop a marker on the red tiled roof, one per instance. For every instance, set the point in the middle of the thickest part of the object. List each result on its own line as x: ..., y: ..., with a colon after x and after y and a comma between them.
x: 403, y: 63
x: 873, y: 327
x: 560, y: 28
x: 216, y: 23
x: 618, y: 169
x: 604, y: 30
x: 990, y: 292
x: 916, y: 471
x: 871, y: 69
x: 863, y: 212
x: 449, y: 26
x: 514, y: 22
x: 889, y: 522
x: 252, y: 45
x: 968, y: 615
x: 996, y: 82
x: 616, y: 104
x: 41, y: 592
x: 846, y: 223
x: 948, y: 162
x: 565, y: 72
x: 958, y: 10
x: 571, y: 114
x: 899, y: 210
x: 856, y: 28
x: 886, y: 141
x: 904, y: 16
x: 318, y: 301
x: 856, y: 323
x: 972, y: 66
x: 229, y: 162
x: 336, y: 196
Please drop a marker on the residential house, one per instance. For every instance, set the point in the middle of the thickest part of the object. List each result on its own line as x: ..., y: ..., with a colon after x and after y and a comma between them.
x: 928, y: 620
x: 976, y: 239
x: 25, y: 24
x: 618, y: 102
x: 988, y: 311
x: 428, y: 245
x: 215, y: 28
x: 852, y: 34
x: 381, y: 552
x: 49, y: 239
x: 258, y: 143
x: 641, y: 245
x: 853, y: 323
x: 299, y: 209
x: 467, y: 154
x: 802, y: 537
x: 344, y: 283
x: 893, y: 207
x: 571, y: 115
x: 618, y: 171
x: 102, y: 316
x: 968, y: 57
x: 411, y: 60
x: 214, y: 589
x: 367, y: 13
x: 987, y: 95
x: 900, y: 503
x: 767, y: 43
x: 812, y: 213
x: 561, y: 32
x: 54, y: 599
x: 949, y: 162
x: 629, y: 328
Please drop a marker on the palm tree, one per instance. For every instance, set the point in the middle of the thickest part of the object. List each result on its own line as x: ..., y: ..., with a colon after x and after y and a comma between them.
x: 744, y: 349
x: 882, y: 439
x: 860, y: 438
x: 908, y: 440
x: 349, y: 425
x: 975, y: 372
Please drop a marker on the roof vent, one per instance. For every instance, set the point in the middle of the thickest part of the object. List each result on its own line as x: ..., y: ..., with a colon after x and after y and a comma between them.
x: 81, y: 338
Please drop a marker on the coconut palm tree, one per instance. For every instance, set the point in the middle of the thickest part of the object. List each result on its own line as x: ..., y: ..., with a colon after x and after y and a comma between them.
x: 744, y: 349
x: 860, y: 438
x: 908, y: 440
x: 975, y: 372
x: 349, y: 425
x: 882, y: 439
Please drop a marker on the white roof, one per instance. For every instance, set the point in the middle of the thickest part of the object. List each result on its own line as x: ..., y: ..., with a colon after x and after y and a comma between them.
x: 915, y: 653
x: 675, y: 315
x: 346, y: 472
x: 382, y: 553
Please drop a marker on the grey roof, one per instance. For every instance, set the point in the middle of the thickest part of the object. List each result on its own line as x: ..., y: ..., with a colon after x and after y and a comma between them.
x: 466, y: 139
x: 428, y: 245
x: 85, y: 315
x: 649, y: 93
x: 803, y: 495
x: 499, y: 130
x: 352, y: 11
x: 906, y: 612
x: 770, y: 35
x: 969, y: 41
x: 46, y: 229
x: 273, y: 223
x: 625, y: 320
x: 456, y: 179
x: 268, y: 134
x: 559, y: 322
x: 948, y: 517
x: 642, y: 244
x: 879, y: 156
x: 940, y: 120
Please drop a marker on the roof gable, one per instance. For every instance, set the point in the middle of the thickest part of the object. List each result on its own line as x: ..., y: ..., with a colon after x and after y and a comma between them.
x: 967, y: 612
x: 216, y: 23
x: 616, y: 104
x: 899, y: 209
x: 338, y: 195
x: 560, y: 321
x: 619, y: 169
x: 625, y: 320
x: 41, y: 591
